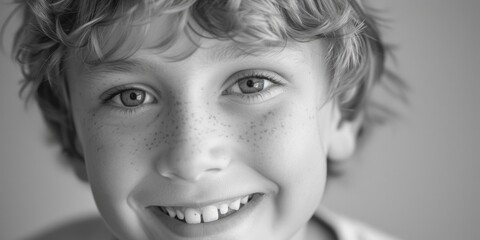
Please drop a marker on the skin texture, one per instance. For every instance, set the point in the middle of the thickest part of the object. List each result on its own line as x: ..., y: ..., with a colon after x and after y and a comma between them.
x: 198, y: 139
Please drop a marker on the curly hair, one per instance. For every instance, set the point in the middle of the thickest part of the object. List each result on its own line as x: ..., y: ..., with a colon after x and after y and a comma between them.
x: 355, y: 52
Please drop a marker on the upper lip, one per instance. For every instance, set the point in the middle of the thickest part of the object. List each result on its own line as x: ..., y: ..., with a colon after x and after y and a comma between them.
x: 201, y: 204
x: 154, y: 191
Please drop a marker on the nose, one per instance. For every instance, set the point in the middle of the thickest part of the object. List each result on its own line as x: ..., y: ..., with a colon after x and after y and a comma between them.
x: 189, y: 162
x: 195, y: 149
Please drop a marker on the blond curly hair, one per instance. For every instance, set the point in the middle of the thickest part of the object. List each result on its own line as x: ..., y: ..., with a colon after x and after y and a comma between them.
x: 51, y: 28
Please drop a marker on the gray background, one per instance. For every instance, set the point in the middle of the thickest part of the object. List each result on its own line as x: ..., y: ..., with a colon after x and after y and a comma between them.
x: 417, y: 177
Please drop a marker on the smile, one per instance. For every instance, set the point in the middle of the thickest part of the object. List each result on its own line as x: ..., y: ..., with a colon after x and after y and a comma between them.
x: 206, y: 214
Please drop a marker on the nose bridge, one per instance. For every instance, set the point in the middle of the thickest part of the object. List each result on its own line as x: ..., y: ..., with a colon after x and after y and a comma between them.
x: 189, y: 121
x: 194, y: 148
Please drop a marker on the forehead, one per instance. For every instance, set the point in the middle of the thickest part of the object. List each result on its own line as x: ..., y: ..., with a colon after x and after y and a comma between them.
x: 125, y: 54
x: 166, y: 34
x: 211, y: 54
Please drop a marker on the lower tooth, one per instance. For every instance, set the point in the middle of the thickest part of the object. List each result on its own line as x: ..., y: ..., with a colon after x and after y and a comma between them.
x: 192, y: 216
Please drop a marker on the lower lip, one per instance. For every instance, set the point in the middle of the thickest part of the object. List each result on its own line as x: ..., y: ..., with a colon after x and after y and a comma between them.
x: 211, y: 228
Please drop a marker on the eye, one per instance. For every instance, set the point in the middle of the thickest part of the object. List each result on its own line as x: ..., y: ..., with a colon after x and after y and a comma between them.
x: 255, y: 86
x: 250, y: 85
x: 131, y: 97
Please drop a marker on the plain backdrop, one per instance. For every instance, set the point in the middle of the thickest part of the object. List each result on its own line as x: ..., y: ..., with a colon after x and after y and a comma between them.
x: 417, y: 178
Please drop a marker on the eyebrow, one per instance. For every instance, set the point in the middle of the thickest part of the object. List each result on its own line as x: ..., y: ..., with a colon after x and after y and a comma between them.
x: 219, y: 53
x: 227, y: 51
x: 234, y: 51
x: 130, y: 65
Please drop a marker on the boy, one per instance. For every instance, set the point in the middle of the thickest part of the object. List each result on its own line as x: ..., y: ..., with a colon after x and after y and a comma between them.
x: 205, y: 119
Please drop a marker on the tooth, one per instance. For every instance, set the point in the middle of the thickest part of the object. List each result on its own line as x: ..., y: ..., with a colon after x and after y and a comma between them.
x: 235, y: 205
x: 180, y: 214
x: 223, y: 208
x: 192, y: 216
x: 244, y: 200
x: 170, y: 212
x: 209, y: 213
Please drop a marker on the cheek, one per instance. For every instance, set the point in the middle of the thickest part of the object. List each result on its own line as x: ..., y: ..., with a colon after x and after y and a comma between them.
x: 111, y: 156
x: 288, y: 145
x: 287, y: 149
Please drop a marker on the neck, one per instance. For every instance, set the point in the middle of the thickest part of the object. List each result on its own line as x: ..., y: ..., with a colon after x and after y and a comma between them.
x: 314, y: 230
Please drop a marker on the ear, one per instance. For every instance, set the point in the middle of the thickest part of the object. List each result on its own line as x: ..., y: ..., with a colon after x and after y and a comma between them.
x: 343, y: 138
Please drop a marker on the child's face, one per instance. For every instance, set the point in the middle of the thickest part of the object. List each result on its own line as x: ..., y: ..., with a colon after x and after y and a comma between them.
x: 195, y: 135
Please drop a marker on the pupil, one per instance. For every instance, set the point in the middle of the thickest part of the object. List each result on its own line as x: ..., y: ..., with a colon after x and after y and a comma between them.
x: 133, y: 96
x: 250, y: 83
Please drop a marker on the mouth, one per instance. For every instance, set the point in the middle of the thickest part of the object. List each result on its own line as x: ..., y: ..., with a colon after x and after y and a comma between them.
x: 206, y: 214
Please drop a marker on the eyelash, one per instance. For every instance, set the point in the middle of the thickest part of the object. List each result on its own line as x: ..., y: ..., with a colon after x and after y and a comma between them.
x: 259, y: 96
x: 249, y: 98
x: 108, y: 97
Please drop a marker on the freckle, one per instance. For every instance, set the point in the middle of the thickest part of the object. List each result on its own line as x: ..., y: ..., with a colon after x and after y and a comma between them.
x: 155, y: 139
x: 133, y: 139
x: 145, y: 139
x: 156, y: 133
x: 149, y: 148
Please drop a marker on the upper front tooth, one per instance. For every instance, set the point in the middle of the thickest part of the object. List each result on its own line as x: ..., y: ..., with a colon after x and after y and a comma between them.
x: 170, y: 212
x: 210, y: 213
x: 235, y: 205
x: 180, y: 214
x: 192, y: 216
x: 244, y: 200
x: 223, y: 208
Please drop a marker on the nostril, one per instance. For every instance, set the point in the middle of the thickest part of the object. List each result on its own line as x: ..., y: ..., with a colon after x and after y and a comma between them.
x: 191, y: 170
x: 180, y: 176
x: 213, y: 170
